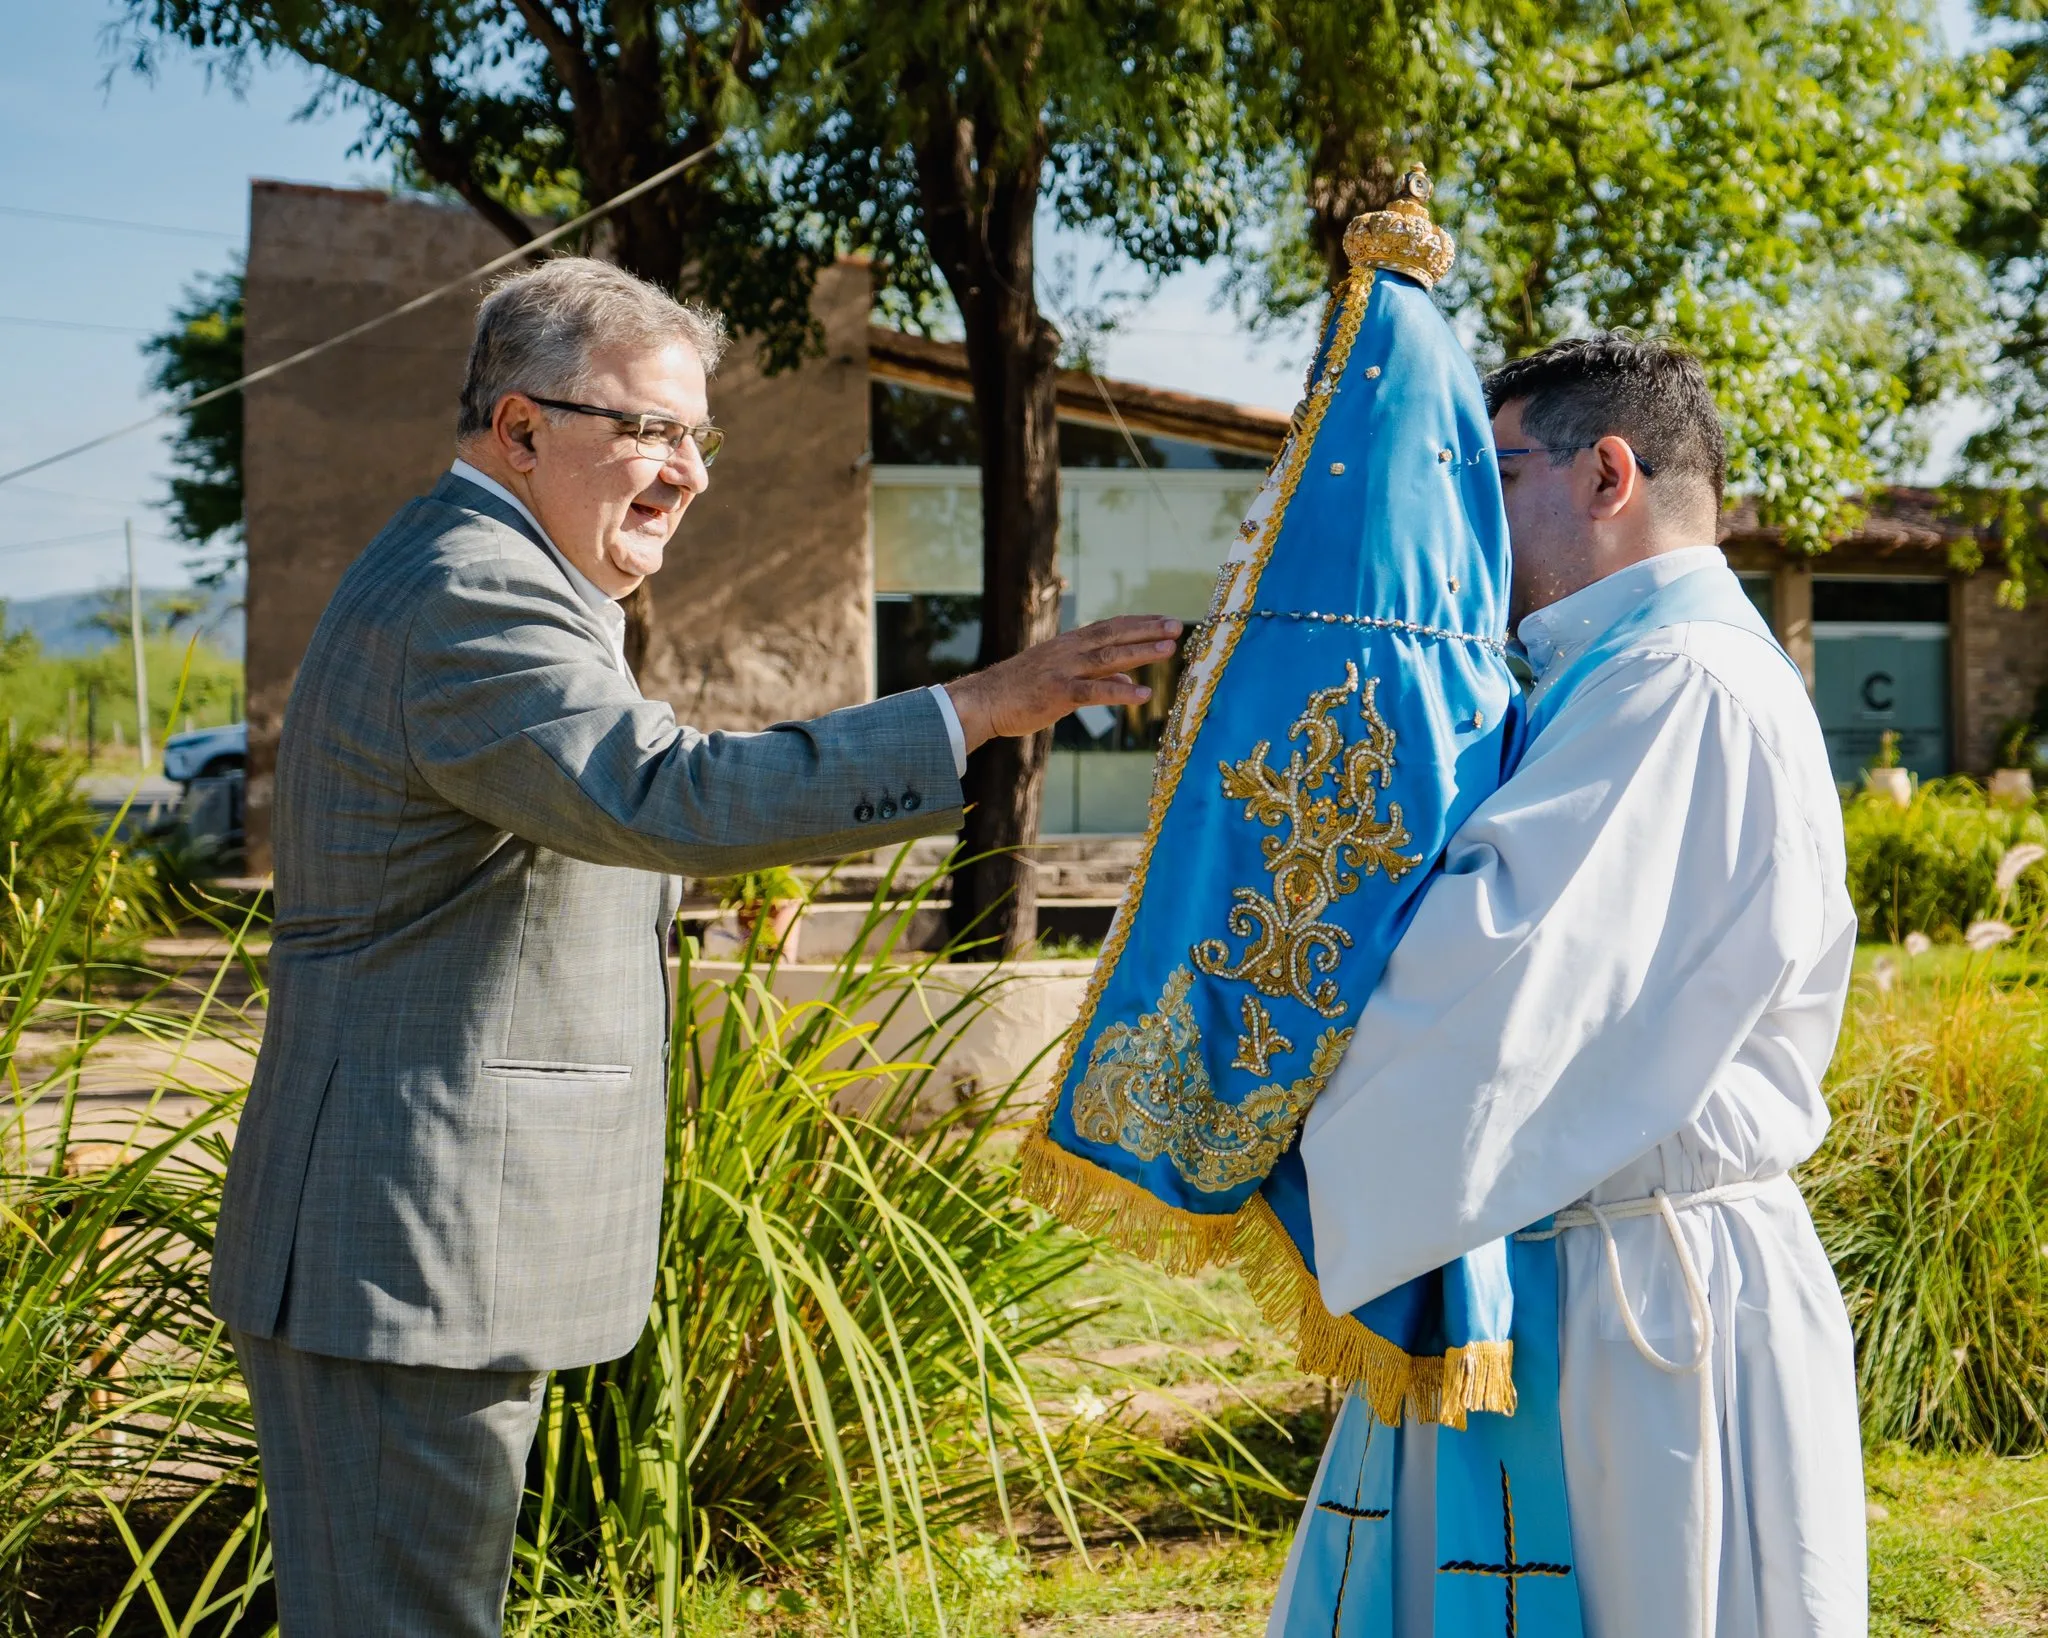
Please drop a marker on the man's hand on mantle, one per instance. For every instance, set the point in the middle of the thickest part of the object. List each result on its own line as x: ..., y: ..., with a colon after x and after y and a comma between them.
x: 1090, y: 666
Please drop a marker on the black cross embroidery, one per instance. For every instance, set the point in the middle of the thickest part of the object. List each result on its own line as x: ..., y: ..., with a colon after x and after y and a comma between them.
x: 1351, y: 1512
x: 1509, y: 1569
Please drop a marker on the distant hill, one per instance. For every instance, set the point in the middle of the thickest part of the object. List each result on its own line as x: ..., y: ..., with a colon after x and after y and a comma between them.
x: 62, y: 624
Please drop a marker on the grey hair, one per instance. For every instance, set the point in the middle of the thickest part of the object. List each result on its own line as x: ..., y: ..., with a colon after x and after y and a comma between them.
x: 536, y: 330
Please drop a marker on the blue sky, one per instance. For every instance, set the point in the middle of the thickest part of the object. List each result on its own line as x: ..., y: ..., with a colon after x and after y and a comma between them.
x: 179, y: 152
x: 174, y: 153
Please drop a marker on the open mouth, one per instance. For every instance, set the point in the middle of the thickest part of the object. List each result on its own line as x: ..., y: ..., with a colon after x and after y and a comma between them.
x: 641, y: 514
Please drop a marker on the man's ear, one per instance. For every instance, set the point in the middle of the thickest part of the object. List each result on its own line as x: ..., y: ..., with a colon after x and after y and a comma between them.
x: 513, y: 424
x: 1617, y: 478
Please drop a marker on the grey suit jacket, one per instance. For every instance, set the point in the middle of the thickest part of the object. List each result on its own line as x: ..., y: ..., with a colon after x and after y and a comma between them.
x: 452, y: 1150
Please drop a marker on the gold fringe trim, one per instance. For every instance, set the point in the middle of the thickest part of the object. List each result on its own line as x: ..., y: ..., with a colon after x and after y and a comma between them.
x: 1442, y: 1387
x: 1430, y: 1387
x: 1096, y: 1201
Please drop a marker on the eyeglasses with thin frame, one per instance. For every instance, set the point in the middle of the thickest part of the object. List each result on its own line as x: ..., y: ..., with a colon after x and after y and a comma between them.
x: 1642, y: 465
x: 658, y: 436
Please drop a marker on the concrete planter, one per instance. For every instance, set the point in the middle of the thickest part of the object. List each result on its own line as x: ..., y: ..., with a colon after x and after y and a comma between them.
x: 1895, y: 783
x: 1030, y: 1007
x: 2012, y: 786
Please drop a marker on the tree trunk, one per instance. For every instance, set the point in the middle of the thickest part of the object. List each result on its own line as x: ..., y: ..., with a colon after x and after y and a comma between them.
x: 1015, y: 363
x: 1345, y: 183
x: 979, y: 219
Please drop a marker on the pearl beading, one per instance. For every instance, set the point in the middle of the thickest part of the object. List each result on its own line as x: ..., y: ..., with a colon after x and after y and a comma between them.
x: 1371, y: 622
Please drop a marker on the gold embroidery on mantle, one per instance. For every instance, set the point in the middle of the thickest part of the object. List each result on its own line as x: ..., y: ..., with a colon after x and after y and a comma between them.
x: 1147, y: 1091
x: 1329, y: 839
x: 1214, y: 644
x: 1260, y: 1043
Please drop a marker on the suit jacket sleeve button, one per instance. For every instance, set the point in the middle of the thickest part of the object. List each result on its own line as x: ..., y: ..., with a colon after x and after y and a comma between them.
x: 910, y: 801
x: 864, y: 812
x: 887, y: 808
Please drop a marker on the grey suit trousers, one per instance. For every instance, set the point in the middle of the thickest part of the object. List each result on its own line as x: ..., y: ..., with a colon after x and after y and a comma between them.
x: 393, y: 1490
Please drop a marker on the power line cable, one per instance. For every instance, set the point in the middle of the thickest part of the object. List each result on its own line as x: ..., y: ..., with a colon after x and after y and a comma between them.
x: 74, y: 495
x: 48, y: 542
x: 460, y: 283
x: 116, y: 222
x: 72, y: 324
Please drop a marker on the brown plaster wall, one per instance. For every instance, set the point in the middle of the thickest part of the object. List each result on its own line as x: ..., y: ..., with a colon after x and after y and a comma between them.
x: 2002, y: 660
x: 762, y: 610
x: 332, y: 448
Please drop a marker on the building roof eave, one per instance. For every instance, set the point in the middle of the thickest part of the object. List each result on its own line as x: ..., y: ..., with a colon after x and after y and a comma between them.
x: 941, y: 366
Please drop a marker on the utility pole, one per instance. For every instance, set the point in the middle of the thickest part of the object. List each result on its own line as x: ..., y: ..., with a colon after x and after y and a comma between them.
x: 135, y: 637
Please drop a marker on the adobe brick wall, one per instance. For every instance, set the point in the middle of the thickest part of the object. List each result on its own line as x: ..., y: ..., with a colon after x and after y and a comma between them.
x: 761, y: 612
x: 334, y: 447
x: 2001, y: 660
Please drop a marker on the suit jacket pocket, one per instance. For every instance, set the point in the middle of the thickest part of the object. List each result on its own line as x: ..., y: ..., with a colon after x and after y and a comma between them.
x: 561, y: 1097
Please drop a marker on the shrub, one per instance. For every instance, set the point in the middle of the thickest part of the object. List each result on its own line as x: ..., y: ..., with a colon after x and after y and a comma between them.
x: 1931, y: 867
x: 830, y: 1366
x: 1931, y: 1196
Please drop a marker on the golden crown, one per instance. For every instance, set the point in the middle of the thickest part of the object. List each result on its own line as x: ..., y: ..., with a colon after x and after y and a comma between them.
x: 1401, y: 237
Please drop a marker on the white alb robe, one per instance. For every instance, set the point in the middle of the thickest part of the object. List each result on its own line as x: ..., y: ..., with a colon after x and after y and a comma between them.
x: 1630, y: 977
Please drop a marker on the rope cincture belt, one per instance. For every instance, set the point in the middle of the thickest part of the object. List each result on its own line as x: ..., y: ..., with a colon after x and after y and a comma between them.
x: 1667, y: 1206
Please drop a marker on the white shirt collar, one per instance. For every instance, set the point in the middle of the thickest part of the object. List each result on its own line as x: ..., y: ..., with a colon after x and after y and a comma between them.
x: 1558, y: 632
x: 608, y: 612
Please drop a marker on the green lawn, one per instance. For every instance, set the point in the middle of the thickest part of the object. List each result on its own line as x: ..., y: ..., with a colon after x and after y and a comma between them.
x: 1959, y: 1544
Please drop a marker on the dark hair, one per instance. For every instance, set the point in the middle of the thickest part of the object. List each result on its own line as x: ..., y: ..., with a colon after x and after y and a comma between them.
x: 1574, y: 393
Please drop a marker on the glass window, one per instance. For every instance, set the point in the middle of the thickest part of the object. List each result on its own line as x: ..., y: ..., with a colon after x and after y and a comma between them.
x: 1149, y: 543
x: 1130, y: 542
x: 1888, y: 600
x: 927, y: 531
x: 924, y: 639
x: 911, y: 428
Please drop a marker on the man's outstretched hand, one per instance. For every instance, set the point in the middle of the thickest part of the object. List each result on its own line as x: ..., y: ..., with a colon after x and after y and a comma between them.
x: 1091, y: 666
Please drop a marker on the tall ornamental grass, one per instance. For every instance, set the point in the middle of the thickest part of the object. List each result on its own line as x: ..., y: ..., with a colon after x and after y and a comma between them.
x: 830, y: 1374
x: 832, y: 1367
x: 120, y: 1414
x: 1931, y: 867
x: 1931, y: 1195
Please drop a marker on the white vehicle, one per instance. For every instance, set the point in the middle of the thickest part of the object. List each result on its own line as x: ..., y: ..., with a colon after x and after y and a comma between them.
x: 207, y: 753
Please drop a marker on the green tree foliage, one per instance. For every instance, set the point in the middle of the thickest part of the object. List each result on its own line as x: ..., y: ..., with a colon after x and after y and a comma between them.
x: 201, y: 351
x: 2006, y: 225
x: 1780, y: 189
x: 17, y: 648
x: 162, y: 612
